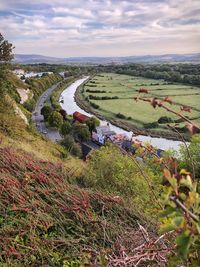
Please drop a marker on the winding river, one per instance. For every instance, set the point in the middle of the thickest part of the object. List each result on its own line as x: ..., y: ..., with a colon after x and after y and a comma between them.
x: 70, y: 106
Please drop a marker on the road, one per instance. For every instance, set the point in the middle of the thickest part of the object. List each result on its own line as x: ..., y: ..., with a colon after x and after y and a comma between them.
x: 53, y: 135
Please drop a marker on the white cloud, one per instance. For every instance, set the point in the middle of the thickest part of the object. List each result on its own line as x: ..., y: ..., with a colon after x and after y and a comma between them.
x: 101, y: 27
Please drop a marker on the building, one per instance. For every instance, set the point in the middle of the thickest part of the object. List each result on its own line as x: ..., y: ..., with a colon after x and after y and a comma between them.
x: 101, y: 134
x: 19, y: 72
x: 79, y: 117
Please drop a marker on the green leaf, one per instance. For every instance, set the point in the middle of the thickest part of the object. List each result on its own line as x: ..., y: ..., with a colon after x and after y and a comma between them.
x: 168, y: 211
x: 183, y: 242
x: 187, y: 182
x: 178, y: 221
x: 173, y: 183
x: 165, y: 228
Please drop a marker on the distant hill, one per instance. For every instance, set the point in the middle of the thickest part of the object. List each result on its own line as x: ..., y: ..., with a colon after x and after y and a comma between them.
x: 28, y: 59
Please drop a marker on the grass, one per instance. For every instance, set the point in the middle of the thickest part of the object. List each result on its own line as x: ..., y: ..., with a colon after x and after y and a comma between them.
x: 125, y: 88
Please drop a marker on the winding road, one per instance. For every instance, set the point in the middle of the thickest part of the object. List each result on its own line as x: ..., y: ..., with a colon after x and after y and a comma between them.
x: 53, y: 135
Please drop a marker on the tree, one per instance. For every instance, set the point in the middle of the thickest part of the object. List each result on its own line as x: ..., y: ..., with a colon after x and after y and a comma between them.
x: 5, y: 56
x: 55, y: 119
x: 81, y: 132
x: 65, y: 128
x: 5, y: 50
x: 92, y: 123
x: 46, y: 111
x: 69, y: 143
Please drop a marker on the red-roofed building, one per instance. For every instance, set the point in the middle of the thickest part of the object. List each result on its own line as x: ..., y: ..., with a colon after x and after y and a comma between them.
x: 80, y: 117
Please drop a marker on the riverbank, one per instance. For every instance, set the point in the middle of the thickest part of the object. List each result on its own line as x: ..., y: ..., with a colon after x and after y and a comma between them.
x: 125, y: 125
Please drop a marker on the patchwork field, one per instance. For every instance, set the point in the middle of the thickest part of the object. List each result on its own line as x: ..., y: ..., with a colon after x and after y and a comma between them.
x: 123, y: 88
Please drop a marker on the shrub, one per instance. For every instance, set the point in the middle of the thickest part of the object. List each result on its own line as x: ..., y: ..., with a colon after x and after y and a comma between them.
x: 69, y: 143
x: 92, y: 123
x: 110, y: 170
x: 192, y: 161
x: 65, y: 128
x: 120, y: 116
x: 165, y: 119
x: 76, y: 150
x: 30, y: 104
x: 95, y: 91
x: 151, y: 125
x: 55, y: 119
x: 46, y: 111
x: 94, y: 105
x: 81, y: 132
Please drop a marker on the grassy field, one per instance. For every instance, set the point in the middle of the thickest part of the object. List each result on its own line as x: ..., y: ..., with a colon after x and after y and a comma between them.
x: 140, y: 113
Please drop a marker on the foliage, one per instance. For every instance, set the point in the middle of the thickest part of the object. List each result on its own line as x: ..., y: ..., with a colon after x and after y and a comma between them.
x: 38, y: 86
x: 184, y: 73
x: 69, y: 143
x: 94, y: 105
x: 165, y: 119
x: 120, y: 116
x: 81, y: 132
x: 55, y: 119
x: 6, y: 49
x: 92, y: 123
x: 110, y: 170
x: 46, y: 111
x: 10, y: 123
x: 190, y: 157
x: 6, y: 56
x: 181, y: 214
x: 65, y: 128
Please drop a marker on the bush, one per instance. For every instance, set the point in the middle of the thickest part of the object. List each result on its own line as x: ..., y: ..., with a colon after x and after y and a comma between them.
x: 30, y: 104
x: 151, y: 125
x: 192, y: 162
x: 81, y: 132
x: 69, y: 143
x: 92, y: 123
x: 95, y: 91
x: 94, y: 105
x: 76, y: 150
x: 65, y: 128
x: 110, y: 170
x: 46, y: 111
x: 55, y: 119
x: 164, y: 119
x: 120, y: 116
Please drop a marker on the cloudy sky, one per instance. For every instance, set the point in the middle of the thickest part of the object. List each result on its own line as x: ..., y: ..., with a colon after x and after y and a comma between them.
x: 65, y: 28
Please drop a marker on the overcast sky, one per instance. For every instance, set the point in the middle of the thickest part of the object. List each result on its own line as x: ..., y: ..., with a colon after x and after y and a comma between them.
x: 64, y: 28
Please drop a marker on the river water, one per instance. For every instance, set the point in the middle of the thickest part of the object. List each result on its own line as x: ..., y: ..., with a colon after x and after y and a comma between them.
x: 70, y: 106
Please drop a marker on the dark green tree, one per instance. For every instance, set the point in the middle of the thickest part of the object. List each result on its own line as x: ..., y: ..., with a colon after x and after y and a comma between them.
x: 92, y: 123
x: 5, y: 56
x: 55, y: 119
x: 81, y: 132
x: 69, y: 144
x: 46, y: 111
x: 6, y: 49
x: 65, y: 128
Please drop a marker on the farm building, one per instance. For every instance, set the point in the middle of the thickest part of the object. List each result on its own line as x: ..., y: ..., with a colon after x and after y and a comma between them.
x: 79, y: 117
x: 101, y: 133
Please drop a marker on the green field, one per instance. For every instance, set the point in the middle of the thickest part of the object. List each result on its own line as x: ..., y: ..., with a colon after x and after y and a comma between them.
x: 140, y: 114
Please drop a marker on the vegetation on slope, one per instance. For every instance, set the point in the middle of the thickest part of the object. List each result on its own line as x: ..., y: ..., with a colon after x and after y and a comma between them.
x: 46, y: 220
